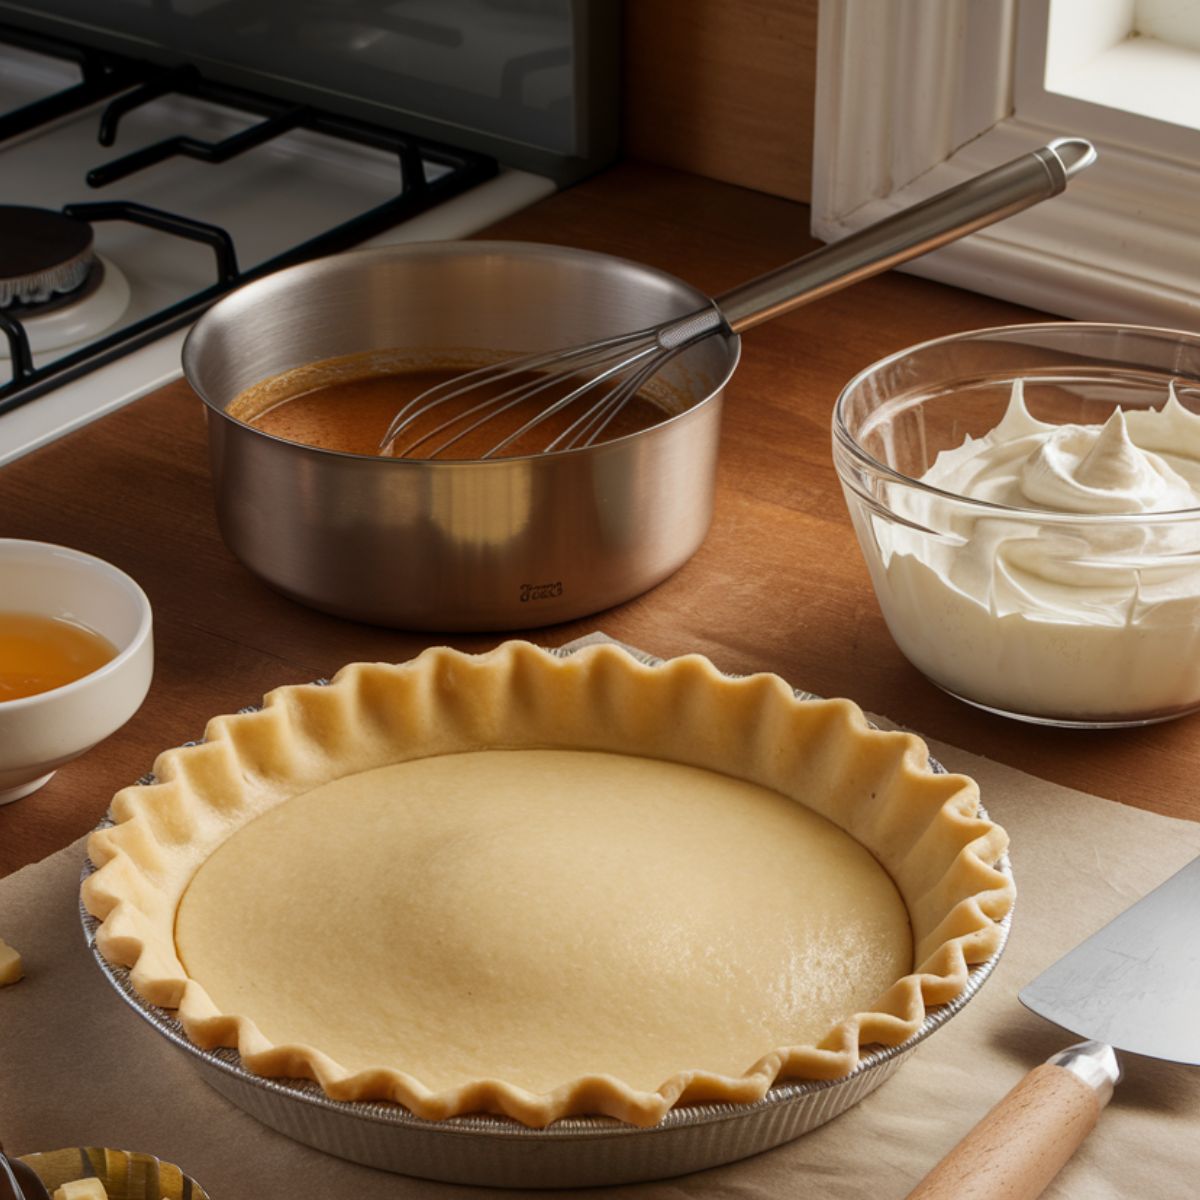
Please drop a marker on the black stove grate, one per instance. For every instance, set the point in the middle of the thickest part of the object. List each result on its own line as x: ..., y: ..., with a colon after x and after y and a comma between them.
x: 102, y: 76
x: 135, y: 84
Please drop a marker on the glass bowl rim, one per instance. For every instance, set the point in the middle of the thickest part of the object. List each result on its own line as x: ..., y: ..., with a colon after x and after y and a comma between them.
x: 844, y: 438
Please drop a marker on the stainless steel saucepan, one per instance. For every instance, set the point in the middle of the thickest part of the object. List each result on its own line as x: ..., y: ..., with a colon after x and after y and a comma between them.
x: 518, y: 542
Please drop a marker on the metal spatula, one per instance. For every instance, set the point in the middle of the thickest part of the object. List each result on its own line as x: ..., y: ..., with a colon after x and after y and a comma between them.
x: 1135, y: 986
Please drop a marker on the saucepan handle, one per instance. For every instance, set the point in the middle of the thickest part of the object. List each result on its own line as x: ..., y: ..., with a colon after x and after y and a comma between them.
x: 1022, y: 1143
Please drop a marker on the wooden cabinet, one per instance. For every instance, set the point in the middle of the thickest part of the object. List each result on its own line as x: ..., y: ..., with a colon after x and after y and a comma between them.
x: 723, y: 89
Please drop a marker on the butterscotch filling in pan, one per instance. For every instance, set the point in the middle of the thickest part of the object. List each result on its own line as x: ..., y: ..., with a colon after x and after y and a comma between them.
x: 347, y: 404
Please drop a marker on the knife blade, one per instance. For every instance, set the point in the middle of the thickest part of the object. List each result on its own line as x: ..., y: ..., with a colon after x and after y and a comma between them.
x: 1133, y: 985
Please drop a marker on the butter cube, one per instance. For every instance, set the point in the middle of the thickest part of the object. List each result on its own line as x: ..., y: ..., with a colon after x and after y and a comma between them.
x: 10, y: 964
x: 81, y: 1189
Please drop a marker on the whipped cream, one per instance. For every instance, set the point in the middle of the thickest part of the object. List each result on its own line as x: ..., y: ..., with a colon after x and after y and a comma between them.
x: 1026, y: 608
x: 1110, y: 468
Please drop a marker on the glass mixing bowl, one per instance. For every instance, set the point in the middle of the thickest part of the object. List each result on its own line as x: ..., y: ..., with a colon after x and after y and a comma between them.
x: 1063, y: 618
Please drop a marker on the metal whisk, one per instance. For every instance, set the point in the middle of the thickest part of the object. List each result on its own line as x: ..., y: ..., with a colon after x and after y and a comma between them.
x: 603, y: 376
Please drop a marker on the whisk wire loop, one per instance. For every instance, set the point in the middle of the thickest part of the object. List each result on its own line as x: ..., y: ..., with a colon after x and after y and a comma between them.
x: 491, y: 408
x: 598, y: 418
x: 494, y: 373
x: 571, y: 397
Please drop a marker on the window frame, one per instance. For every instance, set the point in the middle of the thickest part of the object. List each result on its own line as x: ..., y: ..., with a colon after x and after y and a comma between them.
x: 950, y: 97
x: 1053, y: 109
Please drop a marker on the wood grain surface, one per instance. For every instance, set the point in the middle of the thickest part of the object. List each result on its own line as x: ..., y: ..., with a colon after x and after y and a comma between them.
x: 779, y: 585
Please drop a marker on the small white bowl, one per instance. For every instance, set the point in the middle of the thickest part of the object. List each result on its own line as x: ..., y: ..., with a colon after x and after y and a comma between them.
x: 41, y: 732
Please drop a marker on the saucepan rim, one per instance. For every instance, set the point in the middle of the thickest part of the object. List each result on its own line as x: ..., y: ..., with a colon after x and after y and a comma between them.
x: 362, y: 257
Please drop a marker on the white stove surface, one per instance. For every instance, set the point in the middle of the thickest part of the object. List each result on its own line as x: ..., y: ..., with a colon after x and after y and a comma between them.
x: 269, y: 199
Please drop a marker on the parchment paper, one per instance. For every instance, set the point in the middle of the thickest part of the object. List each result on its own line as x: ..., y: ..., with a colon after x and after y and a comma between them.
x: 78, y: 1067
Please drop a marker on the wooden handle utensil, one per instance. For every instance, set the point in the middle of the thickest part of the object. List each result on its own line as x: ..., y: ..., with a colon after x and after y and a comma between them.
x: 1027, y: 1138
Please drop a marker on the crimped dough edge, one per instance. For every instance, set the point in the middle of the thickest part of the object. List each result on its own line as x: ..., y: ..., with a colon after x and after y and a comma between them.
x: 924, y: 828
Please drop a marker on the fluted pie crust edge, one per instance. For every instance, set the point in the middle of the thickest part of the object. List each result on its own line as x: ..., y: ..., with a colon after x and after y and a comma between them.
x: 924, y: 828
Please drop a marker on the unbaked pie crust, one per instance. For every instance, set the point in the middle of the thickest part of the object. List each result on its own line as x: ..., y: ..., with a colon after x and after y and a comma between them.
x: 545, y: 886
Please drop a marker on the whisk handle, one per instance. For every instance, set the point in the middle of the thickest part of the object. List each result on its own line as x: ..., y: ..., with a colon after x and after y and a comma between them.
x: 943, y: 218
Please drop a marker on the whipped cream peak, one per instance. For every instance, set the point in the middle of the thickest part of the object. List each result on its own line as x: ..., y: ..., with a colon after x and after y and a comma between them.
x: 1079, y: 468
x: 1017, y: 422
x: 1138, y: 462
x: 1171, y: 428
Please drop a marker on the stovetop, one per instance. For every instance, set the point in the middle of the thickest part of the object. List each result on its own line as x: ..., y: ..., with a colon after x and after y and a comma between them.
x: 180, y: 231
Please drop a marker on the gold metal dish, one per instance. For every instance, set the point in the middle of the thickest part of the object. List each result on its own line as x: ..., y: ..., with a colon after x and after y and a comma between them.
x: 126, y: 1175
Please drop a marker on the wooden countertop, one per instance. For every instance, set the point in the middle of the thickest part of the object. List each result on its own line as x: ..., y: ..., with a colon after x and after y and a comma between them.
x: 779, y: 585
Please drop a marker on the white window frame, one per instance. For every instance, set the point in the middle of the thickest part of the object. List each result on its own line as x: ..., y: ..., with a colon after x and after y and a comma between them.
x: 914, y: 96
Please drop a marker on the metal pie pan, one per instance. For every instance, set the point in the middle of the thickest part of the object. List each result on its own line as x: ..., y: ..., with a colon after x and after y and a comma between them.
x: 501, y: 1152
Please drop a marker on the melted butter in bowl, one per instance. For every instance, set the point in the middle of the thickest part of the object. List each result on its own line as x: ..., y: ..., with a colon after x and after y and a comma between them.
x: 346, y: 405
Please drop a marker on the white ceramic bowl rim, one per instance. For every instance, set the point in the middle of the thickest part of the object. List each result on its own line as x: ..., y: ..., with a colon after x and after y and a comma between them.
x: 114, y: 664
x: 1044, y: 516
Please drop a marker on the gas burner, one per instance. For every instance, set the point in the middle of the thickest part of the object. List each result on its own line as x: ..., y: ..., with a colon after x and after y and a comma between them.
x: 93, y: 279
x: 79, y: 317
x: 43, y: 254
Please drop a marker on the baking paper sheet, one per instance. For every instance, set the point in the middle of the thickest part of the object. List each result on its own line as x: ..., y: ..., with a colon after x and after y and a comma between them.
x: 78, y: 1067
